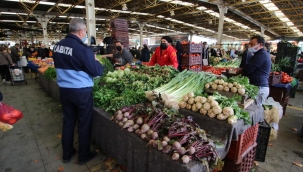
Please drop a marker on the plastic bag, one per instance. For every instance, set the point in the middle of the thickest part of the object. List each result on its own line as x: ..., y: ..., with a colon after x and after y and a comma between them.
x: 8, y: 114
x: 22, y: 62
x: 277, y: 109
x: 5, y: 127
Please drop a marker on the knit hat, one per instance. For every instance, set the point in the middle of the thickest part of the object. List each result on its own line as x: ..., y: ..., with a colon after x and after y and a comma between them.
x: 168, y: 39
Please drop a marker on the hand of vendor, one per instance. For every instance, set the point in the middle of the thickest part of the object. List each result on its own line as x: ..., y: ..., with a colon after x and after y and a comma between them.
x: 239, y: 71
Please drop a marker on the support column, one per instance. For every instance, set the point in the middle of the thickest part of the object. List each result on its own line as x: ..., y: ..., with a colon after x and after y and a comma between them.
x: 190, y: 37
x: 262, y: 31
x: 43, y: 20
x: 141, y: 26
x: 90, y: 19
x: 222, y: 10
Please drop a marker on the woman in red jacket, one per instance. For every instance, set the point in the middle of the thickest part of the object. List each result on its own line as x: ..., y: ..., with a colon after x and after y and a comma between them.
x: 165, y: 55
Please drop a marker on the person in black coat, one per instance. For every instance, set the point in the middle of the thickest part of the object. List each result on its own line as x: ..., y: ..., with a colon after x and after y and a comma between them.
x: 245, y: 56
x: 43, y: 52
x: 145, y: 54
x: 179, y: 52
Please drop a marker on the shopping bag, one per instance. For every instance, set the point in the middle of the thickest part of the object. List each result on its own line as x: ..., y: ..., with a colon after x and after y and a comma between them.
x: 22, y: 62
x: 9, y: 115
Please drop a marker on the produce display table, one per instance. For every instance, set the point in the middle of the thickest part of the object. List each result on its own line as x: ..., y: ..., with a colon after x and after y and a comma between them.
x: 50, y: 86
x: 130, y: 150
x: 280, y: 93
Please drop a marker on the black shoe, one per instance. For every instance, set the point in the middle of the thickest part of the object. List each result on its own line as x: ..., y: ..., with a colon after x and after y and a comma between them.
x: 68, y: 159
x: 90, y: 156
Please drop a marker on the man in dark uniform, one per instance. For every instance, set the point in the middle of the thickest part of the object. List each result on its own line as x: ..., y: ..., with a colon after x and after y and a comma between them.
x: 76, y: 66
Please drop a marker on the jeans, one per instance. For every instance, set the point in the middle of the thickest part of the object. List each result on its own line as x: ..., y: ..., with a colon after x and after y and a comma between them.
x: 262, y: 95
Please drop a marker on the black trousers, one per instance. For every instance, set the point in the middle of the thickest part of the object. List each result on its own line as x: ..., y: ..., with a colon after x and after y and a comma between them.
x: 5, y: 73
x: 77, y: 105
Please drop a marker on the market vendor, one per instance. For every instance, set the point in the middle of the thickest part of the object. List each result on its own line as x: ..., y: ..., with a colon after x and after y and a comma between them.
x: 258, y: 68
x: 123, y: 56
x: 165, y: 55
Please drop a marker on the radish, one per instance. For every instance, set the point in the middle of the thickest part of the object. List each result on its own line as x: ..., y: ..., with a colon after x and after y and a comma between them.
x: 150, y: 132
x: 119, y: 117
x: 121, y: 124
x: 130, y: 129
x: 175, y: 156
x: 191, y: 150
x: 176, y: 145
x: 185, y: 159
x: 165, y: 138
x: 128, y: 123
x: 181, y: 151
x: 166, y: 149
x: 144, y: 128
x: 143, y: 136
x: 124, y: 119
x: 139, y: 121
x: 126, y: 114
x: 164, y: 143
x: 136, y: 126
x: 154, y: 135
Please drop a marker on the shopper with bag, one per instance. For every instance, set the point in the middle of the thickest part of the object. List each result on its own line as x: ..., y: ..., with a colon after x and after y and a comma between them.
x: 5, y: 61
x: 15, y: 53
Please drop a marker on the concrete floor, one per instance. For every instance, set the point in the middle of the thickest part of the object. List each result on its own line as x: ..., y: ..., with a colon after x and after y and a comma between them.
x: 34, y: 144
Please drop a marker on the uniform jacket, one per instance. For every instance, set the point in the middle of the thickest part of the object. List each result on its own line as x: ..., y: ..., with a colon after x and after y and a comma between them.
x: 75, y: 63
x: 258, y: 68
x: 167, y: 57
x: 5, y: 59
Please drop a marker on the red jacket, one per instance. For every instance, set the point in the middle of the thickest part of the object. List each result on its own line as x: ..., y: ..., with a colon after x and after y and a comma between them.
x: 168, y: 57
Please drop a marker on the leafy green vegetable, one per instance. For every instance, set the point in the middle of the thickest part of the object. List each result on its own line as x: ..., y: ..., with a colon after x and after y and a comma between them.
x: 50, y: 73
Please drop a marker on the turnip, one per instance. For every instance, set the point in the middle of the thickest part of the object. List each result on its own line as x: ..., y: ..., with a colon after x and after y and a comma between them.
x: 176, y: 145
x: 221, y: 116
x: 198, y: 105
x: 130, y: 129
x: 124, y: 119
x: 217, y: 110
x: 144, y: 128
x: 191, y: 101
x: 185, y: 98
x: 139, y: 120
x: 185, y: 159
x: 225, y: 84
x: 149, y: 132
x: 203, y: 100
x: 166, y: 149
x: 221, y: 81
x: 164, y: 143
x: 210, y: 98
x: 154, y: 135
x: 216, y: 81
x: 198, y: 99
x: 214, y: 86
x: 119, y: 112
x: 182, y: 104
x: 121, y: 124
x: 226, y: 89
x: 128, y: 123
x: 136, y: 126
x: 220, y: 87
x: 203, y: 111
x: 241, y: 91
x: 165, y: 138
x: 190, y: 94
x: 119, y: 117
x: 191, y: 150
x: 232, y: 119
x: 194, y: 108
x: 235, y: 83
x: 126, y: 114
x: 230, y: 85
x: 213, y: 103
x: 143, y: 136
x: 160, y: 147
x: 207, y: 85
x: 206, y: 106
x: 188, y: 106
x: 151, y: 142
x: 181, y: 151
x: 175, y: 156
x: 233, y: 89
x: 211, y: 114
x: 210, y: 83
x: 228, y: 111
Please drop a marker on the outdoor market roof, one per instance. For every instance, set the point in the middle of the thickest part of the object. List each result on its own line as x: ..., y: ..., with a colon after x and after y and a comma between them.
x: 243, y: 18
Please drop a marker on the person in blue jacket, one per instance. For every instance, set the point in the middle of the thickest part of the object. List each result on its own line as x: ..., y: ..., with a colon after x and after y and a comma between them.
x: 76, y: 66
x: 258, y: 67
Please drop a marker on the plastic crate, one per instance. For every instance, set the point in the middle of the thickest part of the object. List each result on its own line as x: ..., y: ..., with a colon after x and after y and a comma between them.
x: 246, y: 163
x: 117, y: 33
x: 199, y: 69
x: 278, y: 94
x: 274, y: 79
x: 262, y: 141
x: 192, y: 48
x: 245, y: 141
x: 195, y: 60
x: 123, y: 39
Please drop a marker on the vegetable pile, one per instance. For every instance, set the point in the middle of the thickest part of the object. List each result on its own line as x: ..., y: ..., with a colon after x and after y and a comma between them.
x: 182, y: 84
x: 215, y: 106
x: 229, y: 64
x: 127, y: 87
x: 50, y: 73
x: 169, y: 132
x: 286, y: 78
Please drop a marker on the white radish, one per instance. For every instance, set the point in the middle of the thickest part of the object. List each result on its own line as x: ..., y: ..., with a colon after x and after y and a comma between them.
x: 185, y: 159
x: 175, y: 156
x: 139, y: 120
x: 176, y: 145
x: 130, y: 129
x: 154, y: 135
x: 124, y: 119
x: 144, y: 128
x: 143, y: 136
x: 149, y: 132
x: 164, y: 143
x: 191, y: 150
x: 136, y: 126
x: 126, y: 114
x: 119, y: 117
x: 165, y: 138
x: 181, y: 151
x: 128, y: 123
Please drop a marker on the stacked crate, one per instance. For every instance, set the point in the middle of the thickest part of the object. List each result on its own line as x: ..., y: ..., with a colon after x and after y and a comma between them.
x: 241, y: 154
x: 192, y: 57
x: 120, y: 31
